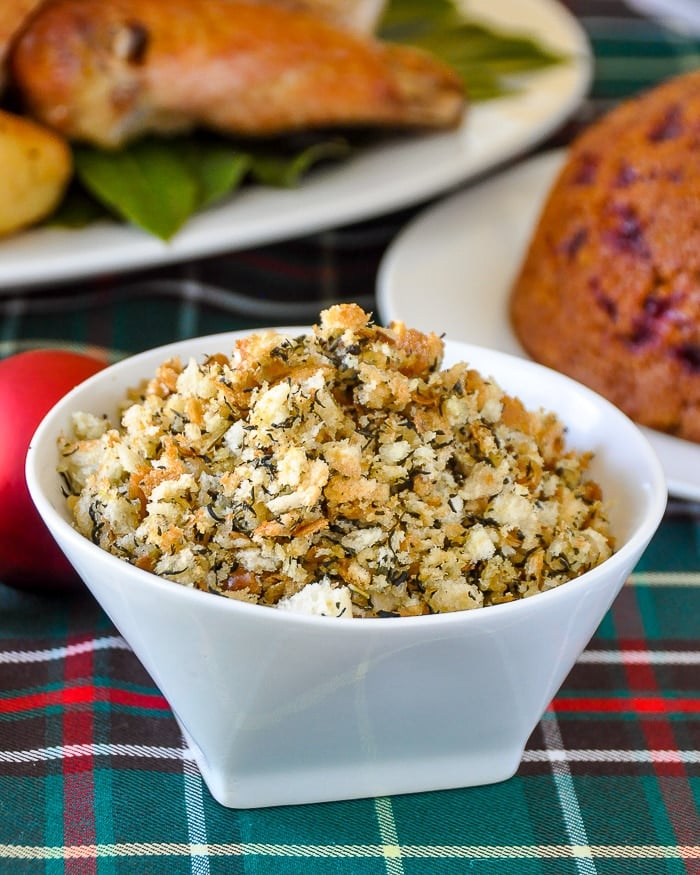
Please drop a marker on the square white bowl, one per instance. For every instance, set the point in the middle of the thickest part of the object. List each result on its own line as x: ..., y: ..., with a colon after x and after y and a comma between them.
x: 281, y: 708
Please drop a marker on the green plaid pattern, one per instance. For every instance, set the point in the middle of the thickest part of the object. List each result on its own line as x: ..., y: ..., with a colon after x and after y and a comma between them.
x: 94, y: 774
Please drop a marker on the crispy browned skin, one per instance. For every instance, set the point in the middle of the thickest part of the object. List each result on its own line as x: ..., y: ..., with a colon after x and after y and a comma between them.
x: 106, y: 72
x: 362, y: 16
x: 14, y: 14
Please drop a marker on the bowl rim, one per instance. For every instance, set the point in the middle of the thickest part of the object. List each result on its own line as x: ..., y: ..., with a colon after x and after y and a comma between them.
x: 48, y: 429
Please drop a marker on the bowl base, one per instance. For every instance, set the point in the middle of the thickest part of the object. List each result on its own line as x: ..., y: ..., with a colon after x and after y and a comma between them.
x: 353, y: 780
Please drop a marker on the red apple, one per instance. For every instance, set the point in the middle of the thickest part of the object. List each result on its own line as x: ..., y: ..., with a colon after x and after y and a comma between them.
x: 30, y: 384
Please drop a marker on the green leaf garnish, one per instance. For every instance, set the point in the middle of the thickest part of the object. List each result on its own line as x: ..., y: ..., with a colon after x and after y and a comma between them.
x: 219, y: 167
x: 149, y: 184
x: 285, y: 172
x: 76, y: 210
x: 158, y: 184
x: 485, y: 57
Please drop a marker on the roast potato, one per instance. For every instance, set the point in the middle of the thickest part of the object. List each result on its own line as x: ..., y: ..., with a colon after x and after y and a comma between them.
x: 36, y: 168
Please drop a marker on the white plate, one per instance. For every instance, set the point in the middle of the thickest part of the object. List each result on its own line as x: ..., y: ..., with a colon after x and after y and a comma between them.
x: 451, y: 269
x: 680, y: 15
x: 379, y: 179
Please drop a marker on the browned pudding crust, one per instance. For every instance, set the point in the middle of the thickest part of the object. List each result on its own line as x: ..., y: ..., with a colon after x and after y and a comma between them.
x: 609, y: 291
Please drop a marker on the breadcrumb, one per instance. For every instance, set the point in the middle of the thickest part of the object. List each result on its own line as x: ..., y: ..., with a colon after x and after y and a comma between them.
x: 344, y: 460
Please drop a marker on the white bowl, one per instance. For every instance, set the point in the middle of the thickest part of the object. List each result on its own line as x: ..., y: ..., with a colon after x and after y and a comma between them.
x: 281, y: 708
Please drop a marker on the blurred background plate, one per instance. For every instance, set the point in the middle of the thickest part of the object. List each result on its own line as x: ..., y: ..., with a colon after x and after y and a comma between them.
x: 377, y: 180
x: 451, y: 270
x: 680, y: 15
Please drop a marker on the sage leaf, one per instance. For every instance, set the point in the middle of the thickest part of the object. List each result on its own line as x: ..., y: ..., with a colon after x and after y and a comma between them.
x: 219, y: 167
x: 76, y: 210
x: 148, y: 183
x: 286, y: 172
x: 486, y: 58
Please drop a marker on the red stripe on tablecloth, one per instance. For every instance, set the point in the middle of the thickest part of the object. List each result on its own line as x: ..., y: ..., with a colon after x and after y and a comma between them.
x: 658, y: 731
x: 78, y: 775
x: 81, y: 695
x: 86, y: 694
x: 635, y: 704
x: 264, y: 261
x: 281, y: 267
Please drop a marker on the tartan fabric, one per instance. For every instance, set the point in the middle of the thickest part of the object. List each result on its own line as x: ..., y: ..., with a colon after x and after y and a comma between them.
x: 94, y: 775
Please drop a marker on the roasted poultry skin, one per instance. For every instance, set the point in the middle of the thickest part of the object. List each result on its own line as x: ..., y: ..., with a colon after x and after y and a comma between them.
x: 108, y: 71
x: 14, y: 14
x: 360, y: 15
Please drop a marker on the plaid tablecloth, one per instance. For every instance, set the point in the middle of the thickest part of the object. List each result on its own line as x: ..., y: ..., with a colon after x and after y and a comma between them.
x: 94, y: 775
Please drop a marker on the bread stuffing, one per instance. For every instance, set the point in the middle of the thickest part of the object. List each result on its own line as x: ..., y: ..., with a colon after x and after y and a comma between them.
x: 342, y: 472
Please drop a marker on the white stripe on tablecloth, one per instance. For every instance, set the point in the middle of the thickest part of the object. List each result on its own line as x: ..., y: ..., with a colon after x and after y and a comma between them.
x: 612, y: 756
x: 641, y: 657
x: 566, y: 791
x: 71, y: 751
x: 139, y: 751
x: 360, y: 851
x: 664, y: 578
x: 108, y: 642
x: 388, y: 835
x: 196, y: 819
